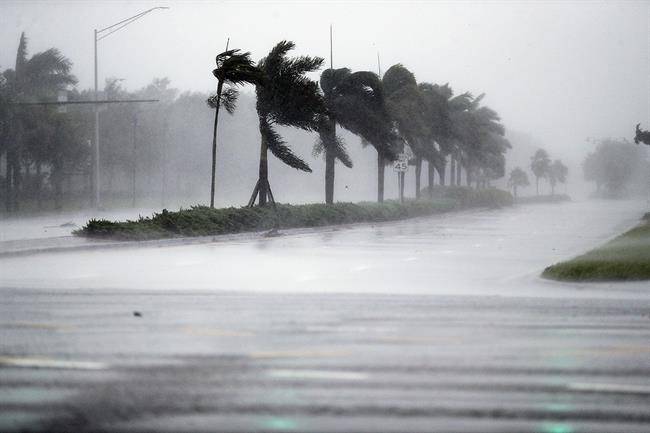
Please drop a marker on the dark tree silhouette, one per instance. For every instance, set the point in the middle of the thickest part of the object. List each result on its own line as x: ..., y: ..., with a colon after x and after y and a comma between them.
x: 355, y: 101
x: 287, y: 97
x: 517, y: 178
x: 233, y: 68
x: 33, y: 79
x: 540, y: 164
x: 408, y: 108
x: 641, y: 136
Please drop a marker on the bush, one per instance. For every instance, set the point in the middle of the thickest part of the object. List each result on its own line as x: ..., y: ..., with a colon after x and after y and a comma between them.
x: 204, y: 221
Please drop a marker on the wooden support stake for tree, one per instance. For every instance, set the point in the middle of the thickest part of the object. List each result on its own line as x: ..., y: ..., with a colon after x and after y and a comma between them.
x: 251, y: 202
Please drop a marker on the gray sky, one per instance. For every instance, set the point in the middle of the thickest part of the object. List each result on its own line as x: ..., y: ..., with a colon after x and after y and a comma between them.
x: 559, y: 71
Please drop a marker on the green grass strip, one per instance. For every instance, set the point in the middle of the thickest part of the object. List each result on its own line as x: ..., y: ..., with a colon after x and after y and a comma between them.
x: 204, y: 221
x: 624, y: 258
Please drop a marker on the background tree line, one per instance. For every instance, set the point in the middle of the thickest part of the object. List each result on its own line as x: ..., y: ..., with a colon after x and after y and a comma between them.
x: 154, y: 152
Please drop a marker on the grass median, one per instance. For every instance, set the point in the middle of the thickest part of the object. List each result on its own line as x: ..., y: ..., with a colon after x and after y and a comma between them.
x: 625, y: 258
x: 204, y: 221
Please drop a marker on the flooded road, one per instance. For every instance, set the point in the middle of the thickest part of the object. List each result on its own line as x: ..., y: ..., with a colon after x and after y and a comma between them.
x: 474, y: 252
x: 434, y: 324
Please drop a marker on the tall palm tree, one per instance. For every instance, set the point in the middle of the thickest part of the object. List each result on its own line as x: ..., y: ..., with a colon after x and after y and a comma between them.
x: 540, y: 164
x: 517, y: 178
x: 287, y: 98
x: 557, y: 173
x: 34, y: 78
x: 234, y: 68
x: 353, y: 100
x: 484, y: 144
x: 437, y: 116
x: 336, y: 96
x: 408, y: 108
x: 450, y: 143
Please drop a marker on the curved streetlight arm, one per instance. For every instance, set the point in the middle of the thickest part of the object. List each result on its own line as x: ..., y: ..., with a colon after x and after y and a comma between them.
x: 120, y: 25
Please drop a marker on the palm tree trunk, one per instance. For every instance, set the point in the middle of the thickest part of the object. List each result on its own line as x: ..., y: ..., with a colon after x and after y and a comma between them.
x: 8, y: 186
x: 329, y: 177
x: 441, y: 171
x: 418, y: 173
x: 430, y: 173
x: 537, y: 184
x: 39, y: 197
x: 214, y: 142
x: 452, y: 172
x: 380, y: 178
x: 458, y: 174
x: 329, y: 137
x: 263, y: 173
x: 15, y: 181
x: 468, y: 176
x: 401, y: 175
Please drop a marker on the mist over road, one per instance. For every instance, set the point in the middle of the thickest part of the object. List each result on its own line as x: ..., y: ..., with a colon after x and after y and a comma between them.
x: 434, y: 324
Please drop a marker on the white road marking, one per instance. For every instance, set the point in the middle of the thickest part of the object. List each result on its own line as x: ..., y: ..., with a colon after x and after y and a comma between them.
x: 37, y: 362
x: 317, y: 374
x: 610, y: 387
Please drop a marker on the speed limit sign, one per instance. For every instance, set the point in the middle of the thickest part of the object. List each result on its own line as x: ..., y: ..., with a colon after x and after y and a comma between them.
x: 401, y: 164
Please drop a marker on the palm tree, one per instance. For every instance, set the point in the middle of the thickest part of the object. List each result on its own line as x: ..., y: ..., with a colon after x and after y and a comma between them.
x: 33, y: 79
x: 450, y: 142
x: 517, y: 178
x: 540, y: 165
x: 641, y: 136
x: 437, y: 115
x: 557, y: 173
x: 236, y: 69
x: 484, y: 145
x: 287, y: 98
x: 353, y: 100
x: 407, y: 107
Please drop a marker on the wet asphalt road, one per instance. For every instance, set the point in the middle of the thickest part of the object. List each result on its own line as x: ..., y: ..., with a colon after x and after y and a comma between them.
x: 484, y: 347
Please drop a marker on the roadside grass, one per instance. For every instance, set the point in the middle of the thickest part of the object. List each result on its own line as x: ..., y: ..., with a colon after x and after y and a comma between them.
x: 204, y: 221
x: 626, y: 257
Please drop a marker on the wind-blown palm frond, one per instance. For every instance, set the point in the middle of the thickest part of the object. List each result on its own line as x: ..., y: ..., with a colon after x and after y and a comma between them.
x: 236, y: 68
x: 331, y: 143
x: 288, y: 97
x: 356, y: 102
x: 279, y: 148
x: 227, y: 100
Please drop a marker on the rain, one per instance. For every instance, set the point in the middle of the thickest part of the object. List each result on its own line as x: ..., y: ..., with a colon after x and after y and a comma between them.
x: 323, y: 216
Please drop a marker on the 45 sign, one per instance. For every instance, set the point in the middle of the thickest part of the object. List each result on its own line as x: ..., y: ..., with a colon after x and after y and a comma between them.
x: 401, y: 164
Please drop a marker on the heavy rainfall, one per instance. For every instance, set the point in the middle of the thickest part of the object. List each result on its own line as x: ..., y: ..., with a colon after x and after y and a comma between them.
x: 297, y: 216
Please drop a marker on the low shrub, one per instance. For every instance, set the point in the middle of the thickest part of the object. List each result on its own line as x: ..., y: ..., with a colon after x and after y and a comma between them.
x: 204, y: 221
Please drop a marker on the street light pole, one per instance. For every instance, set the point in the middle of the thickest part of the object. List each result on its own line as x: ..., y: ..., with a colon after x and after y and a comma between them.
x: 98, y: 36
x: 96, y: 141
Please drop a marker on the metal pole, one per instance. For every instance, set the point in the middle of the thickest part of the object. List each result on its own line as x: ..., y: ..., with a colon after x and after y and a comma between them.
x: 134, y: 159
x: 378, y: 65
x: 96, y: 202
x: 331, y: 50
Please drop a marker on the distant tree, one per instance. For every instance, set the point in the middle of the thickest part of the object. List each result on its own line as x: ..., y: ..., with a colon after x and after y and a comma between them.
x: 517, y: 178
x: 287, y: 97
x: 616, y: 166
x: 540, y: 165
x: 641, y: 136
x: 557, y: 173
x: 233, y: 68
x: 36, y: 78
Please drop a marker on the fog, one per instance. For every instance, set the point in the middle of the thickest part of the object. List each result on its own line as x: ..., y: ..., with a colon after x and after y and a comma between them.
x: 496, y: 282
x: 557, y: 72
